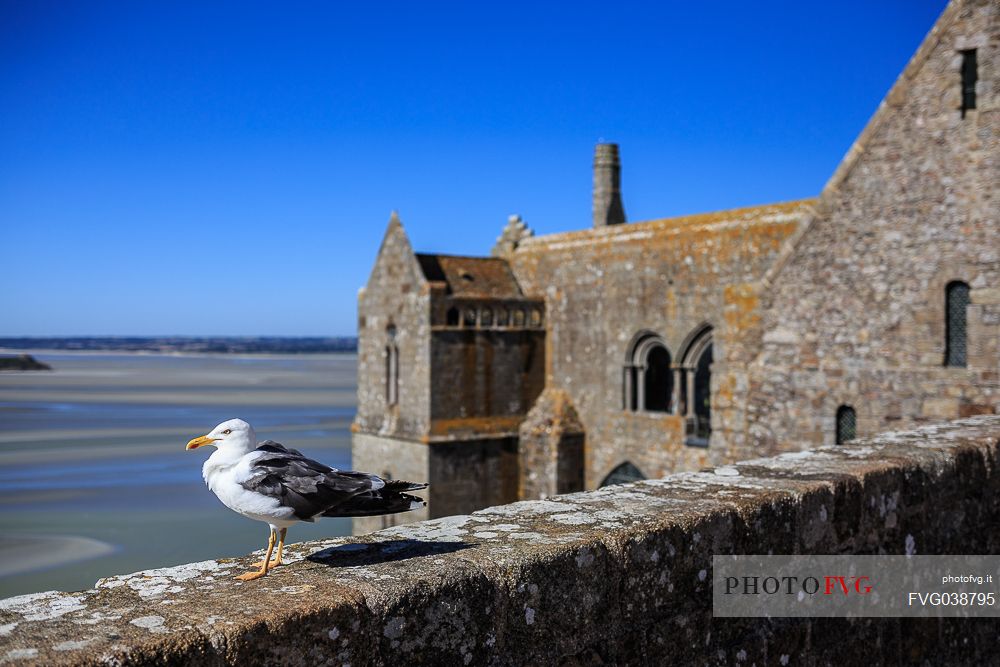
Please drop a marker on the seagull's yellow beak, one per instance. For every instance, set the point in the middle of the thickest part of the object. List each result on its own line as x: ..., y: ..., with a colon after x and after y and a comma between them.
x: 199, y: 441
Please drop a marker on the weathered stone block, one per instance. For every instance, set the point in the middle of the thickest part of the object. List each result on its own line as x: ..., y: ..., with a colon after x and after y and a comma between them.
x: 551, y: 448
x: 617, y: 576
x: 940, y: 408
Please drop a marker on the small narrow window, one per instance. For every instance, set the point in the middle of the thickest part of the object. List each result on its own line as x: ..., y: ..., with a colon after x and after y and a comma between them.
x: 391, y: 367
x: 847, y: 424
x: 518, y: 318
x: 486, y: 317
x: 395, y: 374
x: 391, y: 374
x: 452, y: 317
x: 701, y: 425
x: 469, y: 319
x: 969, y: 77
x: 502, y: 317
x: 388, y: 374
x: 956, y: 301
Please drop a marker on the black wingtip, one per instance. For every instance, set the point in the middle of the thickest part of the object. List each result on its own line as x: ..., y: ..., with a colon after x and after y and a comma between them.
x: 399, y: 485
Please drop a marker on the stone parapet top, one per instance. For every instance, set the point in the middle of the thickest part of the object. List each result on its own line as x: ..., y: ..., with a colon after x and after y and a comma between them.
x: 616, y: 576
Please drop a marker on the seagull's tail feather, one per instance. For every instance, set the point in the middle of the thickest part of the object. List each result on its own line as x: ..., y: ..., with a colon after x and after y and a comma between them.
x: 398, y: 485
x: 387, y: 500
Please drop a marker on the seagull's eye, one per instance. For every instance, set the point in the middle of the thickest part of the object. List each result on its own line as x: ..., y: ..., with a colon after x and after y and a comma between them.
x: 227, y: 431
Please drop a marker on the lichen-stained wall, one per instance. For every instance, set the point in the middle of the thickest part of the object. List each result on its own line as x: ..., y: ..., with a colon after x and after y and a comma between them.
x: 551, y: 448
x: 484, y: 374
x: 811, y: 305
x: 463, y: 386
x: 397, y: 295
x: 621, y: 576
x: 604, y: 286
x: 470, y: 475
x: 487, y: 346
x: 855, y: 313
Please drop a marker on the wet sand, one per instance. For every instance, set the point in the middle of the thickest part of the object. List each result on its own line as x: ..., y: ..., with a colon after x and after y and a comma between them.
x: 94, y: 479
x: 25, y: 553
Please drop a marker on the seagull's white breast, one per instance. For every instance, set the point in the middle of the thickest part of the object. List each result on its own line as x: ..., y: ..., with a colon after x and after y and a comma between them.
x: 223, y: 477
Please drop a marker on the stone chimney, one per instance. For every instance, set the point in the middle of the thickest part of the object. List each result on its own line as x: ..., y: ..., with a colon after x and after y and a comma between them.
x: 608, y: 209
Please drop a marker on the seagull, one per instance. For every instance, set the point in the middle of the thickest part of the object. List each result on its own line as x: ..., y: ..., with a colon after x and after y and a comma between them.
x: 279, y: 486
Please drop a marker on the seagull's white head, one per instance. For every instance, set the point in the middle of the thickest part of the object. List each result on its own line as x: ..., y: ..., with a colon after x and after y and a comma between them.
x: 234, y: 436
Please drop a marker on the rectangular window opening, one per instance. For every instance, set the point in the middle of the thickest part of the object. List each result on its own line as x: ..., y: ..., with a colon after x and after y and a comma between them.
x: 969, y: 77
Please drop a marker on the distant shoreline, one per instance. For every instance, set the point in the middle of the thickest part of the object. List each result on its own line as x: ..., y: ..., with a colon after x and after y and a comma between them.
x: 259, y: 345
x: 169, y: 353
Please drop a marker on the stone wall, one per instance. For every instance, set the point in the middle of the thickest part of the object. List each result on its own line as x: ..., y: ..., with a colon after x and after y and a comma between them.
x: 398, y: 296
x: 806, y: 306
x: 550, y: 448
x: 605, y: 286
x: 464, y: 475
x: 473, y: 474
x: 854, y: 313
x: 616, y: 576
x: 482, y: 374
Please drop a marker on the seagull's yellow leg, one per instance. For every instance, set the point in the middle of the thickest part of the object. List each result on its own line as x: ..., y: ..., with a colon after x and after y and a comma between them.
x: 281, y: 547
x: 250, y: 576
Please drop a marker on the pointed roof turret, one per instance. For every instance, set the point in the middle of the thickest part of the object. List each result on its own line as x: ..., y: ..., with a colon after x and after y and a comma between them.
x: 511, y: 236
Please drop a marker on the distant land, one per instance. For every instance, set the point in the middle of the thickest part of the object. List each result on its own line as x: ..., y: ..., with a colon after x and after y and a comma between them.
x: 214, y: 344
x: 21, y: 362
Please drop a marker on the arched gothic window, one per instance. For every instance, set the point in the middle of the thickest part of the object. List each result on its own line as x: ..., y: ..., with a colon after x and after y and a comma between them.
x: 694, y: 375
x: 391, y: 367
x: 956, y: 302
x: 623, y: 474
x: 847, y: 424
x: 648, y: 381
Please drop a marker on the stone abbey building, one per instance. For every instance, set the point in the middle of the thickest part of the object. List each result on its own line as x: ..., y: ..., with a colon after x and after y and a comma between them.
x: 637, y: 349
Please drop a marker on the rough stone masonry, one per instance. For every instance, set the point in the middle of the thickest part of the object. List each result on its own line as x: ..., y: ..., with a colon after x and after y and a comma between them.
x: 611, y: 577
x: 700, y: 340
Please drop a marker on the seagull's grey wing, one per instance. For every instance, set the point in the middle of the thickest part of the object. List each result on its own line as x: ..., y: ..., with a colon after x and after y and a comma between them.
x: 309, y: 487
x: 272, y: 446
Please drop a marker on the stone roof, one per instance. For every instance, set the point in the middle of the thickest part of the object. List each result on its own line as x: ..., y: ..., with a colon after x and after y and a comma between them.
x: 701, y: 223
x: 471, y: 276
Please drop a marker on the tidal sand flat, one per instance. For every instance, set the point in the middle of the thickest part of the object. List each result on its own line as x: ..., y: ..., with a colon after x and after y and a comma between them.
x: 94, y: 479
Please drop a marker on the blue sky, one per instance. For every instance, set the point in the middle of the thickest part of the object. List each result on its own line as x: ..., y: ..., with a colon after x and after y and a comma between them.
x: 229, y: 167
